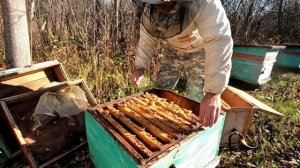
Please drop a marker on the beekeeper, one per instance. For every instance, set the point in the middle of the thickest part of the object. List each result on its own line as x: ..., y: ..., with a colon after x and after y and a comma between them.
x: 185, y: 27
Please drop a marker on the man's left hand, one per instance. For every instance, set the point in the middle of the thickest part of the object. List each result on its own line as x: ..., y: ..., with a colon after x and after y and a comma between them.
x: 210, y: 109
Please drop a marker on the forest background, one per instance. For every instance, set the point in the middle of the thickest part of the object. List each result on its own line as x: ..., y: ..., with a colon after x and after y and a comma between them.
x: 96, y: 41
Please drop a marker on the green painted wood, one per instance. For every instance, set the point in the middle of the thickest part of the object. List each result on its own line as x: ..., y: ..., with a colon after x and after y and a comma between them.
x: 276, y: 47
x: 246, y: 70
x: 197, y: 151
x: 251, y: 50
x: 105, y: 151
x: 4, y: 152
x: 253, y: 71
x: 289, y: 59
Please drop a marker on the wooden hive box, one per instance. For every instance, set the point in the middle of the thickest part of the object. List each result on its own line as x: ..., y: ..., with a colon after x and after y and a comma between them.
x: 240, y: 108
x: 110, y: 147
x: 23, y: 80
x: 254, y: 63
x: 20, y: 89
x: 18, y: 110
x: 289, y: 57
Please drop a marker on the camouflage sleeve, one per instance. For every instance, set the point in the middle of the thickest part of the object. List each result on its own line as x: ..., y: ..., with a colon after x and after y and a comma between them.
x: 146, y: 49
x: 214, y: 27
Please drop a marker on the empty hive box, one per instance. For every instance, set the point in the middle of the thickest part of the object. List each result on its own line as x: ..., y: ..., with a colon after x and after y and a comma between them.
x: 155, y: 129
x: 24, y: 80
x: 20, y: 91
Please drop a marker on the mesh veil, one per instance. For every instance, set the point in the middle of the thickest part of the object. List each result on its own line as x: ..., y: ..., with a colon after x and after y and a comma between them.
x: 166, y: 25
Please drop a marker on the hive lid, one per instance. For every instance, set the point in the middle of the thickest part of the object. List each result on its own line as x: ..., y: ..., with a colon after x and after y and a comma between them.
x: 23, y: 80
x: 274, y: 47
x: 263, y: 107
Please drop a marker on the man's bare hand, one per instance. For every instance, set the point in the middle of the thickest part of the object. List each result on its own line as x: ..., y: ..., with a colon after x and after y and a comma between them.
x: 210, y: 109
x: 137, y: 77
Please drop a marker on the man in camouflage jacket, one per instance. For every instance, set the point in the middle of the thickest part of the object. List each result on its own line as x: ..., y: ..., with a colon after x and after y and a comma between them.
x: 187, y: 26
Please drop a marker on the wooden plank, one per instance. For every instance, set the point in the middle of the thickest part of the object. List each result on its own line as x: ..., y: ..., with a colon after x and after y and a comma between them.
x: 61, y: 73
x: 234, y: 100
x: 26, y: 96
x: 224, y: 105
x: 24, y: 88
x: 249, y: 121
x: 25, y: 79
x: 17, y: 72
x: 14, y: 127
x: 88, y: 93
x: 263, y: 107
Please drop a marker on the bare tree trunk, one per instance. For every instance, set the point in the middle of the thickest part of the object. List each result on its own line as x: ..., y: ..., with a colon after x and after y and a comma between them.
x: 17, y: 47
x: 117, y: 6
x: 279, y: 21
x: 247, y: 22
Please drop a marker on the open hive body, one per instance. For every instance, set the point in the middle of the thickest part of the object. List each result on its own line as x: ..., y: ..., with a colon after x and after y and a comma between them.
x: 18, y: 81
x: 20, y: 91
x: 156, y: 129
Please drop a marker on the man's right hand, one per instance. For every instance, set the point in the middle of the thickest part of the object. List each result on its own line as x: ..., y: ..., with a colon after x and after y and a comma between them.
x: 137, y: 77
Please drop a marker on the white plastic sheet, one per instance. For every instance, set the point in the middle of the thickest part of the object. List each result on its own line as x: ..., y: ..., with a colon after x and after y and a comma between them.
x: 63, y: 103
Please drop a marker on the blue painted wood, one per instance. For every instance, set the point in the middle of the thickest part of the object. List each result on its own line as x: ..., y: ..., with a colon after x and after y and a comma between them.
x: 289, y: 57
x: 253, y: 64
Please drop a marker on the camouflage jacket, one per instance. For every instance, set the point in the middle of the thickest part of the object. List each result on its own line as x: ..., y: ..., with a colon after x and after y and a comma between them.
x: 208, y: 29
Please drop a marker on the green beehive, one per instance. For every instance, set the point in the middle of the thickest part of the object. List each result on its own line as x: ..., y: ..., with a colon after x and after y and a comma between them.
x: 289, y: 57
x: 198, y: 149
x: 253, y: 63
